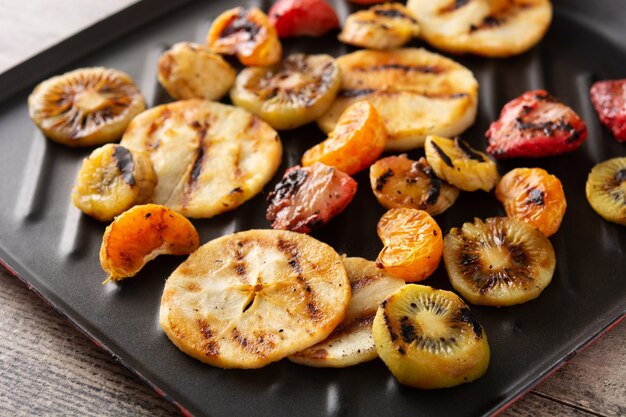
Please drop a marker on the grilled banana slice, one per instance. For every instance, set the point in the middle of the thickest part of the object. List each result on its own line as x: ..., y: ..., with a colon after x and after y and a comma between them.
x: 189, y: 70
x: 458, y: 163
x: 383, y: 26
x: 85, y: 107
x: 111, y: 180
x: 209, y: 157
x: 295, y: 92
x: 417, y: 93
x: 351, y: 342
x: 251, y: 298
x: 499, y: 262
x: 398, y: 182
x: 606, y: 189
x: 494, y: 28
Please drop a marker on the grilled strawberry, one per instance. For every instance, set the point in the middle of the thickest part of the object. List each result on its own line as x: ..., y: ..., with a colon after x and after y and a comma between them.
x: 307, y: 198
x: 609, y: 99
x: 535, y: 125
x: 303, y: 17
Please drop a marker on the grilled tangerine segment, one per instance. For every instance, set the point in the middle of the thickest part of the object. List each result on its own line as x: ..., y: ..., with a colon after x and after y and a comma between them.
x: 246, y: 33
x: 141, y: 234
x: 354, y: 144
x: 413, y: 244
x: 533, y: 196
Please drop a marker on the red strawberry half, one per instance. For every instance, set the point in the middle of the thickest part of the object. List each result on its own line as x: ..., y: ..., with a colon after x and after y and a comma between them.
x: 303, y: 17
x: 609, y: 99
x: 535, y: 125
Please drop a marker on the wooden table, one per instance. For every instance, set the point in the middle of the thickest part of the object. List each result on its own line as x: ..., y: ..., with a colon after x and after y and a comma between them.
x: 49, y: 368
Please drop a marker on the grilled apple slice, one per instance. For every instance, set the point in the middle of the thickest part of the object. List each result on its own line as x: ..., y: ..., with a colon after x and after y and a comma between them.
x: 85, y: 107
x: 384, y: 26
x: 112, y: 180
x: 251, y: 298
x: 209, y: 157
x: 494, y: 28
x: 291, y: 94
x: 417, y: 93
x: 351, y: 342
x: 189, y: 70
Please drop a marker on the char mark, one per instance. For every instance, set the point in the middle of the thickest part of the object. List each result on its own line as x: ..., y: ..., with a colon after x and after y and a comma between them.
x: 435, y: 183
x: 241, y: 24
x: 288, y: 185
x: 466, y: 316
x: 425, y: 69
x: 356, y: 92
x: 454, y: 5
x: 536, y: 197
x: 487, y: 23
x: 446, y: 159
x: 125, y: 163
x: 393, y: 14
x: 382, y: 180
x: 469, y: 152
x: 620, y: 176
x: 407, y: 330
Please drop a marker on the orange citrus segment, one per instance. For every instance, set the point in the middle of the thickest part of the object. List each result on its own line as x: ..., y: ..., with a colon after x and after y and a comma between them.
x: 413, y: 244
x: 354, y: 144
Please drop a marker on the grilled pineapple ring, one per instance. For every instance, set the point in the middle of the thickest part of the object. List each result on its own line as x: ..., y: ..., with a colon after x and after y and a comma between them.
x: 494, y: 28
x: 251, y: 298
x: 85, y: 107
x: 295, y: 92
x: 209, y: 157
x: 417, y: 93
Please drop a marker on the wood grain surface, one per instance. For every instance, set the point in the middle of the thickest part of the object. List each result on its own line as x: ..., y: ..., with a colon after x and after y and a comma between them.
x: 49, y: 368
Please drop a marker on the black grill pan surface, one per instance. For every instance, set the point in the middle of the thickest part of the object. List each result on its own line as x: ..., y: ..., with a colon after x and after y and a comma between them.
x: 53, y: 248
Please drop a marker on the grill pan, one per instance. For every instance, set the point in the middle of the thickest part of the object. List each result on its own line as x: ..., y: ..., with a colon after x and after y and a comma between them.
x: 53, y: 248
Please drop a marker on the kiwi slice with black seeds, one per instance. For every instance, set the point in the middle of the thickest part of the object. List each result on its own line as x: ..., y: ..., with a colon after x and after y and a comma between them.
x: 606, y: 189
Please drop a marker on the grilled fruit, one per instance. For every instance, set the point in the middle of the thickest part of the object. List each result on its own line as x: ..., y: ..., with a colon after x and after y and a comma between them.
x: 385, y: 26
x: 351, y: 342
x: 499, y: 262
x: 85, y: 107
x: 307, y: 198
x: 189, y: 70
x: 291, y: 94
x: 246, y: 33
x: 141, y: 234
x: 417, y: 93
x: 609, y: 99
x: 429, y: 338
x: 494, y: 28
x: 455, y: 161
x: 111, y: 180
x: 355, y: 143
x: 398, y: 182
x: 209, y: 157
x: 533, y: 196
x: 535, y: 125
x: 251, y: 298
x: 606, y: 190
x: 413, y: 244
x: 303, y: 18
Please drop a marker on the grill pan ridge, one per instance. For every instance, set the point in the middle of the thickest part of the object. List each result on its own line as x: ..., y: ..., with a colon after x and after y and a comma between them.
x: 52, y: 247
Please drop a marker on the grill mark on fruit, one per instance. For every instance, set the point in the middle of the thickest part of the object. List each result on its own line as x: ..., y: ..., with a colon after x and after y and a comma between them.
x: 446, y: 159
x: 288, y: 185
x: 382, y: 180
x: 197, y: 164
x: 549, y: 128
x: 424, y: 69
x: 364, y: 320
x: 620, y: 176
x: 407, y: 330
x: 359, y: 92
x: 209, y: 345
x: 488, y: 22
x: 393, y: 14
x: 240, y: 24
x: 363, y: 282
x: 259, y: 346
x: 435, y: 183
x: 536, y: 197
x: 454, y: 5
x: 518, y: 255
x: 392, y: 334
x: 291, y: 250
x: 125, y: 163
x: 465, y: 315
x: 356, y: 92
x: 469, y: 152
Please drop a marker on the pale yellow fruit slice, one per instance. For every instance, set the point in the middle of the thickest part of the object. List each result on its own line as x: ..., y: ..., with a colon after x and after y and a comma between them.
x: 209, y: 157
x: 251, y: 298
x: 351, y: 342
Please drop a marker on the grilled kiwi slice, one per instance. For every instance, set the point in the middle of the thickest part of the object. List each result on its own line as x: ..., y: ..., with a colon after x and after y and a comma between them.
x: 295, y: 92
x: 417, y: 93
x: 251, y: 298
x: 606, y: 189
x: 85, y: 107
x: 111, y: 180
x: 209, y: 157
x: 429, y: 338
x: 351, y: 342
x: 190, y: 70
x: 398, y: 181
x: 384, y: 26
x: 461, y: 165
x: 499, y: 262
x: 494, y: 28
